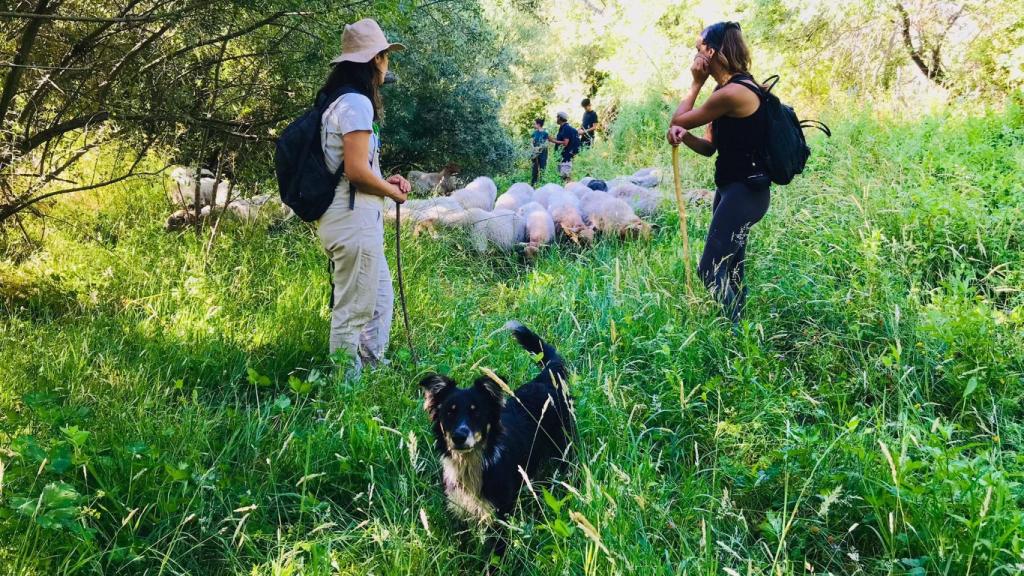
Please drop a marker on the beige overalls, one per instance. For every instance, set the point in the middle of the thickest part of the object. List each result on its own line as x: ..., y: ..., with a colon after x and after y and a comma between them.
x: 354, y: 240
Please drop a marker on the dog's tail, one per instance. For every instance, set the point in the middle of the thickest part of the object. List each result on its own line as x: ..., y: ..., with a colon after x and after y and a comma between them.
x: 547, y: 357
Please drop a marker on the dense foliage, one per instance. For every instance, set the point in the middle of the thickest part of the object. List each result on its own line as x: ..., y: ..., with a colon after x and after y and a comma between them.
x: 212, y: 83
x: 166, y: 401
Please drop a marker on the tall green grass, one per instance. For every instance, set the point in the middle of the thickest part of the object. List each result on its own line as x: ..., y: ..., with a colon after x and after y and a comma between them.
x: 164, y: 410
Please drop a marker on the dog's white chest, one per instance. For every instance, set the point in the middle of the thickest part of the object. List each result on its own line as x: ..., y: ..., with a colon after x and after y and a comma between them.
x: 463, y: 482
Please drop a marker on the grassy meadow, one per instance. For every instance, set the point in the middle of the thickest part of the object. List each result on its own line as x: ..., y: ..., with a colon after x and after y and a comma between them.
x: 167, y: 407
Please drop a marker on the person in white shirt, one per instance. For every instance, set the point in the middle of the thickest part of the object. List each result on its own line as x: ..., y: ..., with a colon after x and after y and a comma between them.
x: 352, y: 229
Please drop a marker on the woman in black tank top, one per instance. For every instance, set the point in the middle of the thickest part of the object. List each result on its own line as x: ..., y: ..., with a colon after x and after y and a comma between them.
x: 737, y: 134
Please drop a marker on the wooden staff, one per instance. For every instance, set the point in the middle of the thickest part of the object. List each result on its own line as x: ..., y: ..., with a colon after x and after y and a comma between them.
x: 682, y: 218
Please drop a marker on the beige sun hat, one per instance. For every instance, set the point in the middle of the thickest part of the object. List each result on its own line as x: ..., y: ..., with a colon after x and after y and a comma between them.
x: 362, y: 41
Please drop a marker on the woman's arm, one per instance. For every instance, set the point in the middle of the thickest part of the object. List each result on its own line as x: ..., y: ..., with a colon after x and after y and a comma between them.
x: 357, y: 168
x: 686, y: 117
x: 718, y: 105
x: 705, y: 147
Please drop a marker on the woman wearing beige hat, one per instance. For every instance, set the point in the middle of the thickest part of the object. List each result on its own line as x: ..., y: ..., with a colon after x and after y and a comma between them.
x: 352, y: 229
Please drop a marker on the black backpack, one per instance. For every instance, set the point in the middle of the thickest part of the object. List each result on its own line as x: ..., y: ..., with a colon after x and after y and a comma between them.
x: 574, y: 142
x: 303, y: 180
x: 786, y: 152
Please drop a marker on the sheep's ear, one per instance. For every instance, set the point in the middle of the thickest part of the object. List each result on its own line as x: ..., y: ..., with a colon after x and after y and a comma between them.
x: 435, y: 388
x: 489, y: 386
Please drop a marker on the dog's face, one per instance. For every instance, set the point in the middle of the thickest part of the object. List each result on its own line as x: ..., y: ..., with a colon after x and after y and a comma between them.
x: 464, y: 419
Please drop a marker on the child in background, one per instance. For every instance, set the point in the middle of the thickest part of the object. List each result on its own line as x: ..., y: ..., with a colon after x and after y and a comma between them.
x: 540, y: 150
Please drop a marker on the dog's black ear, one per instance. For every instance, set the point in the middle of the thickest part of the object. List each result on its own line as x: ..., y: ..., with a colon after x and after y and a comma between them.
x: 491, y: 387
x: 435, y: 388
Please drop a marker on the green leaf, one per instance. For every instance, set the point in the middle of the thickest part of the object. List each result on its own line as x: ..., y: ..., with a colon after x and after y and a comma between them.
x: 972, y: 385
x: 28, y: 448
x: 551, y: 501
x: 76, y: 436
x: 282, y: 404
x: 257, y: 379
x: 137, y: 448
x: 39, y: 400
x: 27, y: 507
x: 60, y: 459
x: 560, y: 528
x: 299, y: 387
x: 177, y: 473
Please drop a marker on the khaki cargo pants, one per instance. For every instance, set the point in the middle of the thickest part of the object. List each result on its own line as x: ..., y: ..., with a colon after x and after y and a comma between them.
x: 363, y: 295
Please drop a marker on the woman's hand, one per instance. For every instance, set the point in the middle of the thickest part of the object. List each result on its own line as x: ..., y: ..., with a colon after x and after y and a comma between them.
x: 700, y: 69
x: 397, y: 195
x: 675, y: 135
x: 401, y: 182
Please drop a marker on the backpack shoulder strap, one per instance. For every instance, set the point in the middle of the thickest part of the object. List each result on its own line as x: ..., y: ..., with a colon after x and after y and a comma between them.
x: 748, y: 82
x: 324, y: 100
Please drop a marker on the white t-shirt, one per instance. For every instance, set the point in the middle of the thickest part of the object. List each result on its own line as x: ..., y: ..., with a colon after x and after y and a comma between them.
x: 350, y: 113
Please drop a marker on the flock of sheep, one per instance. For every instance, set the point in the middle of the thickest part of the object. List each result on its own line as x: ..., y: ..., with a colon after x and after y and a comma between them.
x: 534, y: 218
x: 521, y: 217
x: 216, y: 194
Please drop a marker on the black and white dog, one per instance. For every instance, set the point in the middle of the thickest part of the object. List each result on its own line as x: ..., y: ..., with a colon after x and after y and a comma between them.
x: 484, y: 438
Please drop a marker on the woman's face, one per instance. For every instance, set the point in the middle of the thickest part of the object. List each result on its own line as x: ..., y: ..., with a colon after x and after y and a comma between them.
x: 382, y: 61
x: 715, y: 62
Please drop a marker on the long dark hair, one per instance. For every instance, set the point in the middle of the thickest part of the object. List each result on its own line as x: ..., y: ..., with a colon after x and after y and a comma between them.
x: 735, y: 51
x: 360, y: 75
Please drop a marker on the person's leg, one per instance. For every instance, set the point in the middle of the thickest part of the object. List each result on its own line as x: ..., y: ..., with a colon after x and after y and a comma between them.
x: 373, y: 342
x: 565, y: 170
x: 757, y: 200
x: 737, y: 208
x: 535, y: 171
x: 344, y: 234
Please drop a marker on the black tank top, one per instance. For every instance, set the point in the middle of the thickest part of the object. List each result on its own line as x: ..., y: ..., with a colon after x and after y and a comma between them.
x: 738, y: 140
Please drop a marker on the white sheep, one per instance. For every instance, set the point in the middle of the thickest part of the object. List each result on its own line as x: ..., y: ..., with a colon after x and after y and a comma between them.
x: 591, y: 200
x: 480, y: 193
x: 182, y: 185
x: 429, y: 213
x: 699, y: 196
x: 568, y: 219
x: 614, y: 216
x: 503, y: 229
x: 563, y: 197
x: 540, y: 227
x: 645, y: 201
x: 542, y: 194
x: 647, y: 177
x: 515, y: 197
x: 577, y: 188
x: 441, y: 183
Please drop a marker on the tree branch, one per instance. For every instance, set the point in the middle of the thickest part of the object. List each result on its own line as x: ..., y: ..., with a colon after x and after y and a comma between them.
x: 935, y: 74
x: 10, y: 210
x: 61, y: 18
x: 28, y: 39
x: 224, y: 38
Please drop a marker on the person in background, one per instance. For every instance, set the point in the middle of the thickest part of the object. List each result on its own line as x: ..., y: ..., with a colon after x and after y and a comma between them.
x: 540, y: 150
x: 353, y: 236
x: 568, y: 139
x: 737, y: 134
x: 589, y: 125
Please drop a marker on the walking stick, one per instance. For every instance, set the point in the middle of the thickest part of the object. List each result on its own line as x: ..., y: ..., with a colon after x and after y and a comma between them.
x: 401, y: 282
x: 682, y: 218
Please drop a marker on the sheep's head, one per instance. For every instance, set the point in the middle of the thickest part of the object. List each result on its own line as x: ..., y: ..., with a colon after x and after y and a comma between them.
x: 179, y: 220
x: 531, y: 251
x: 428, y: 227
x: 585, y: 235
x: 636, y: 229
